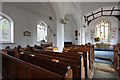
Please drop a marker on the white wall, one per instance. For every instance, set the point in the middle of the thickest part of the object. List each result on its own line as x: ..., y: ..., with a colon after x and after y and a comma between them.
x: 0, y: 47
x: 25, y: 20
x: 118, y: 31
x: 69, y: 29
x: 0, y: 27
x: 119, y: 25
x: 68, y: 33
x: 73, y: 13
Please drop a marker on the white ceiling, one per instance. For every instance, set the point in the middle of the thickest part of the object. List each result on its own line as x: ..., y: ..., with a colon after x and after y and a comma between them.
x: 46, y: 9
x: 60, y: 0
x: 88, y: 7
x: 38, y: 8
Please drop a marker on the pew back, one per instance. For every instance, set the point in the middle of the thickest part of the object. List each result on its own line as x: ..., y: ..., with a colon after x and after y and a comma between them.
x: 17, y: 69
x: 52, y: 63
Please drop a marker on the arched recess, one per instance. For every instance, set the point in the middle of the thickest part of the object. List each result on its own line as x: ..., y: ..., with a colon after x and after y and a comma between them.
x: 77, y: 15
x: 106, y: 11
x: 61, y: 11
x: 59, y: 38
x: 69, y: 29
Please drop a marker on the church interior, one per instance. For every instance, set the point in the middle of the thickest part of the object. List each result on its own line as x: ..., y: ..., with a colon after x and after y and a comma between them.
x: 59, y: 40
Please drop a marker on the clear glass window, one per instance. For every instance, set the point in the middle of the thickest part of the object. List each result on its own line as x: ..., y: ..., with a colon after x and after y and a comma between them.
x: 6, y: 26
x: 41, y: 32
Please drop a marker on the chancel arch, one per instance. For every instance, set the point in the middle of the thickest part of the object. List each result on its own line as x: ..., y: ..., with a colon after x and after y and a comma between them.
x: 108, y: 18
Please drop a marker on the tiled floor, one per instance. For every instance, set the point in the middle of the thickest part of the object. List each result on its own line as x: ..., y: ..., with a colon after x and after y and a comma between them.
x: 103, y: 61
x: 103, y: 74
x: 104, y: 69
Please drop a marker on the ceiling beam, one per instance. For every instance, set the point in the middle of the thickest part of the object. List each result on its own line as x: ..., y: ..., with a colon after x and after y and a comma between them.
x: 117, y: 16
x: 112, y: 11
x: 93, y: 15
x: 101, y: 11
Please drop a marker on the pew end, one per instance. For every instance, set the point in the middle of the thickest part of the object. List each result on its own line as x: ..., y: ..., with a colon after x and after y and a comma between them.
x: 69, y: 74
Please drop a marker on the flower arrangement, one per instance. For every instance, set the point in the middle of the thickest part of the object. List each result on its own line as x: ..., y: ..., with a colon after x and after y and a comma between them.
x: 97, y: 39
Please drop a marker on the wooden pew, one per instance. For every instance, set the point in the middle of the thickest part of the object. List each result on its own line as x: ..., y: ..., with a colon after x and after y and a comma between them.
x: 28, y: 59
x: 115, y: 53
x: 117, y: 57
x: 82, y: 48
x: 118, y: 61
x: 71, y: 56
x: 16, y: 69
x: 63, y: 55
x: 10, y: 52
x: 57, y: 67
x: 59, y: 54
x: 86, y: 60
x: 75, y: 49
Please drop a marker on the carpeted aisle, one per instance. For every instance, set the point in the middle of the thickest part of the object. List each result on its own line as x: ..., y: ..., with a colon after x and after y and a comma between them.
x: 106, y: 56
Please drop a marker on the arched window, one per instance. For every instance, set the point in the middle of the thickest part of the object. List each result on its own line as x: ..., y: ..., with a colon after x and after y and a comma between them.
x: 6, y: 28
x: 41, y: 32
x: 102, y: 30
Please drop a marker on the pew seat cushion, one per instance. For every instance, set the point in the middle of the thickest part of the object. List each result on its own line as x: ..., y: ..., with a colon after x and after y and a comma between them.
x: 51, y: 49
x: 48, y: 48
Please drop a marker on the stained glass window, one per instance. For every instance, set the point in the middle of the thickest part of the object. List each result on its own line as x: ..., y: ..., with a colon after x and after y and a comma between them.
x: 102, y: 29
x: 6, y: 25
x: 41, y: 32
